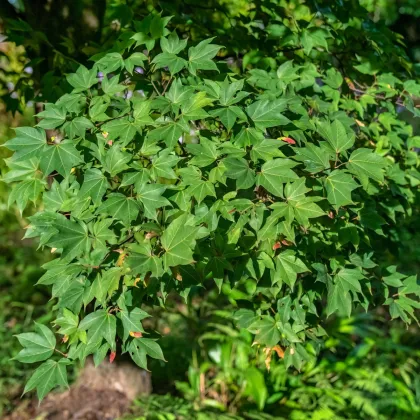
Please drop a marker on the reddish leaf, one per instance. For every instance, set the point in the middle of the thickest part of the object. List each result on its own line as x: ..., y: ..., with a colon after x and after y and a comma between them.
x: 112, y: 356
x: 288, y: 140
x: 350, y: 84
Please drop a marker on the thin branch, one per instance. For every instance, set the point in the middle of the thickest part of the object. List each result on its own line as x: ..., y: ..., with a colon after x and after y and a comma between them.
x: 156, y: 89
x: 167, y: 84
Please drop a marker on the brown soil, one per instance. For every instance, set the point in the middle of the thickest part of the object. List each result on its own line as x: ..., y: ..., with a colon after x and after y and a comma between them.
x: 103, y: 393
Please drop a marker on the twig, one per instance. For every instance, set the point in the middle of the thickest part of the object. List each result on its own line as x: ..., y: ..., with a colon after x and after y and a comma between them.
x: 167, y: 84
x: 156, y: 89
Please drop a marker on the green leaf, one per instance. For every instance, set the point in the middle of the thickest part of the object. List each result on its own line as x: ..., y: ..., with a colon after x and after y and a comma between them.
x: 25, y: 191
x: 289, y: 266
x: 339, y: 186
x: 163, y: 164
x: 68, y: 322
x: 110, y: 62
x: 94, y: 186
x: 200, y: 57
x: 275, y: 173
x: 120, y: 207
x: 365, y: 163
x: 111, y: 86
x: 306, y: 209
x: 256, y: 387
x: 37, y: 346
x: 60, y: 157
x: 249, y: 136
x: 158, y: 26
x: 72, y: 237
x: 141, y: 111
x: 178, y: 241
x: 228, y: 91
x: 72, y: 298
x: 169, y: 133
x: 52, y: 117
x: 266, y: 331
x: 21, y: 170
x: 192, y: 108
x: 266, y: 149
x: 201, y: 190
x: 245, y: 318
x: 103, y: 286
x: 268, y: 231
x: 135, y: 59
x: 349, y: 279
x: 58, y: 270
x: 172, y: 61
x: 239, y: 169
x: 116, y: 160
x: 172, y: 44
x: 83, y: 79
x: 316, y: 159
x: 139, y: 348
x: 296, y: 191
x: 144, y: 261
x: 100, y: 324
x: 131, y: 320
x: 120, y: 128
x: 315, y: 37
x: 28, y: 143
x: 77, y: 127
x: 177, y: 93
x: 102, y: 234
x: 334, y: 78
x: 205, y: 153
x: 228, y: 116
x: 97, y: 108
x: 336, y: 135
x: 339, y: 300
x: 72, y: 102
x: 403, y: 307
x: 138, y: 178
x: 49, y: 375
x: 150, y: 195
x: 265, y: 113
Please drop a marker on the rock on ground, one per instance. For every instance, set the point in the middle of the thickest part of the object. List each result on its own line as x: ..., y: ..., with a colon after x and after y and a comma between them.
x: 103, y: 393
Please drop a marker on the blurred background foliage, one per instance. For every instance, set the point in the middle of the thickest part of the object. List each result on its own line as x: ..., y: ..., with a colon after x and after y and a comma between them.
x: 369, y: 369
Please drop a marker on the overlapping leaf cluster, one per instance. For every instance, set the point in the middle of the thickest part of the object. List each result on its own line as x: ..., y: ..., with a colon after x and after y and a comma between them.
x: 270, y: 183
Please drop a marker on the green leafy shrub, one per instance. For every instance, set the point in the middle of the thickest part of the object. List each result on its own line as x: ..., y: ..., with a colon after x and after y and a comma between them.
x: 166, y: 169
x: 367, y: 368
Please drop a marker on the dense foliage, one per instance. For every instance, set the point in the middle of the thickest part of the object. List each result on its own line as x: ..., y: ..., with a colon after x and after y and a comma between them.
x: 273, y: 171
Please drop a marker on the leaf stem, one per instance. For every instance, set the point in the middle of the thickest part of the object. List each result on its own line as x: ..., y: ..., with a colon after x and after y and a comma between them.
x: 60, y: 352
